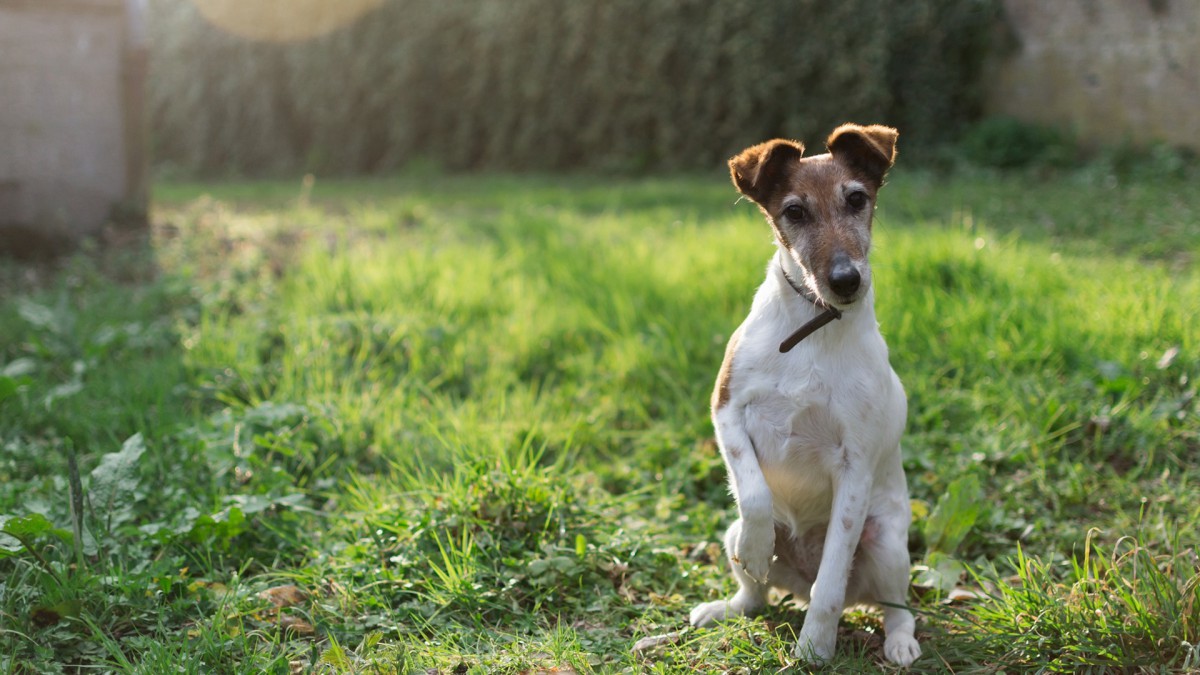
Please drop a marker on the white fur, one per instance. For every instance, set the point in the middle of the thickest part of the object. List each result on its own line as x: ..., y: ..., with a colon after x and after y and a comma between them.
x: 811, y: 439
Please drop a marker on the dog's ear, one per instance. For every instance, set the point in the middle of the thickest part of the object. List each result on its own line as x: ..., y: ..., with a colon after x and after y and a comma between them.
x: 757, y: 170
x: 868, y: 150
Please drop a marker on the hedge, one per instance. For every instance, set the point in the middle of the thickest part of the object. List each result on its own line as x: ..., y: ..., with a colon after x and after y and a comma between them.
x: 561, y: 84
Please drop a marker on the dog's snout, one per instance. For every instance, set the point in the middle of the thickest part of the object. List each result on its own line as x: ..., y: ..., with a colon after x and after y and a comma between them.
x: 844, y: 278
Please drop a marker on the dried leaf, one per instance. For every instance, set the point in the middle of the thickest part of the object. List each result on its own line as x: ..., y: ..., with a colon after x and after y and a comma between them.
x: 656, y: 641
x: 43, y: 616
x: 284, y: 596
x: 961, y: 595
x: 1167, y: 358
x: 296, y: 625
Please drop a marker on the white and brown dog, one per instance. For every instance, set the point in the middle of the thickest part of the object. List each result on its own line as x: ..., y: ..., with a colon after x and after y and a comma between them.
x: 809, y: 420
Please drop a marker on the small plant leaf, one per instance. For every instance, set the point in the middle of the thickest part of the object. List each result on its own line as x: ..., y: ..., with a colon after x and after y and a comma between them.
x: 940, y: 572
x: 115, y: 478
x: 954, y: 515
x: 39, y: 316
x: 8, y: 386
x: 335, y: 656
x: 64, y: 390
x: 17, y: 529
x: 19, y: 368
x: 30, y: 525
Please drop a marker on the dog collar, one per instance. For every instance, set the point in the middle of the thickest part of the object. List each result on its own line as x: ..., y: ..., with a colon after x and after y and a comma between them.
x: 811, y: 327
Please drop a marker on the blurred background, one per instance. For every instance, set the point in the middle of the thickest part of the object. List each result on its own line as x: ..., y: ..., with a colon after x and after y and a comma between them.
x: 96, y: 92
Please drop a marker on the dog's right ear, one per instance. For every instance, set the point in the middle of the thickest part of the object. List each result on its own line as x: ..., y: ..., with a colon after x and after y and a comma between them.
x: 758, y: 170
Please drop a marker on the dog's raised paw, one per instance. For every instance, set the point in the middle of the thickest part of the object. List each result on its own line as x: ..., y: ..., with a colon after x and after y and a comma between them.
x: 902, y: 649
x: 753, y: 550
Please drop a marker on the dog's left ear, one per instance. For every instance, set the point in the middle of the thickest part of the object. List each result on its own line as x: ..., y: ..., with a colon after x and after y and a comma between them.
x: 869, y: 150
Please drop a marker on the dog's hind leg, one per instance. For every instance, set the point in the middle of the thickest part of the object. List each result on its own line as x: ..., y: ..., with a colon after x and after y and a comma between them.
x: 851, y: 488
x: 887, y: 563
x: 900, y: 645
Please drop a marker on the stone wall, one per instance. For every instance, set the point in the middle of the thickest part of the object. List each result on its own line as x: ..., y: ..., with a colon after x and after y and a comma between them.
x: 71, y: 136
x: 1112, y: 71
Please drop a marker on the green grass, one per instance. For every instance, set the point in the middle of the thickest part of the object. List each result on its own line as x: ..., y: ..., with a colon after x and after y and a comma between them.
x: 466, y: 418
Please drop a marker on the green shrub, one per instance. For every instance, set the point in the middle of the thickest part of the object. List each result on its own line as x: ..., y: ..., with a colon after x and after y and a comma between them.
x: 1008, y: 143
x: 541, y: 84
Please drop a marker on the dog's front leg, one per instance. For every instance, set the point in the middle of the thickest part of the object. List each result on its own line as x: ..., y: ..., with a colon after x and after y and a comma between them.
x: 754, y: 544
x: 750, y: 541
x: 851, y: 491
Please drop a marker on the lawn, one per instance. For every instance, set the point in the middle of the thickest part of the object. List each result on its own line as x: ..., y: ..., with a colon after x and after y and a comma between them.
x: 459, y: 424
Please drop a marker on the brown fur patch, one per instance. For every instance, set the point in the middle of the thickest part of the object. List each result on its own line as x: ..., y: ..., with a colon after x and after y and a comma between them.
x: 721, y: 392
x: 869, y: 150
x: 760, y: 169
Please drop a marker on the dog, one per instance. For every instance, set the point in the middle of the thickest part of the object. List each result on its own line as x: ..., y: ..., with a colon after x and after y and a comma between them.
x: 809, y: 419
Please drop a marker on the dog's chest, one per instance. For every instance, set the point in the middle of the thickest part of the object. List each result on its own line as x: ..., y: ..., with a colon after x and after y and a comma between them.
x: 795, y: 413
x: 803, y: 408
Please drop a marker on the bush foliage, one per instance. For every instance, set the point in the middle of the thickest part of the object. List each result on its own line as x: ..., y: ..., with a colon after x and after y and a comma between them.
x: 543, y: 84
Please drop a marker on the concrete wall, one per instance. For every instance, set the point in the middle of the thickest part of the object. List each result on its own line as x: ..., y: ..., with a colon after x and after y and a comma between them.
x: 71, y: 134
x: 1111, y: 70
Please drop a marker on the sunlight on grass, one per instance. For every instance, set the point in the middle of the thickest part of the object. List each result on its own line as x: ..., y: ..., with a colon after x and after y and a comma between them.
x: 468, y: 417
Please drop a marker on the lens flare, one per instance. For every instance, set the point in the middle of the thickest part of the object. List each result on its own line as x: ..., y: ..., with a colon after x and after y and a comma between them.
x: 283, y: 20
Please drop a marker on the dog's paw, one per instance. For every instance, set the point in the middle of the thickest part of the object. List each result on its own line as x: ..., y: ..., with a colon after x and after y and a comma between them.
x: 815, y: 646
x: 708, y: 613
x: 901, y: 649
x: 753, y: 550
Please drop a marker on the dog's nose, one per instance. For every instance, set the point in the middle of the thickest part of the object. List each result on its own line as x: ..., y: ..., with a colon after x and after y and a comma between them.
x: 844, y: 278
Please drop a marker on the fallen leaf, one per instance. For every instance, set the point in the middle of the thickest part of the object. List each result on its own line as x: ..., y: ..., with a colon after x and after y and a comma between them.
x: 656, y: 599
x: 958, y: 595
x: 1167, y: 358
x: 656, y: 641
x: 283, y: 596
x: 296, y: 625
x: 44, y: 616
x: 705, y: 553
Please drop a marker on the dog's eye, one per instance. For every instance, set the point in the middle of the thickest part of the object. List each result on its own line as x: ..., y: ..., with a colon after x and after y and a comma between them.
x: 796, y: 213
x: 857, y: 199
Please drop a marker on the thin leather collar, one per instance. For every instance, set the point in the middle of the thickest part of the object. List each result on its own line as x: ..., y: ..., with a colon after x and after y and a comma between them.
x: 811, y: 327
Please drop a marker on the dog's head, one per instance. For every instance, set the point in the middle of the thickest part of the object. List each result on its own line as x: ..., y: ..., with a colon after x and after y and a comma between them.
x: 821, y: 207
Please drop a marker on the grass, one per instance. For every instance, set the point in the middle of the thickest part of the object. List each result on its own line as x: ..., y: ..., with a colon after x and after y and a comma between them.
x: 458, y: 424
